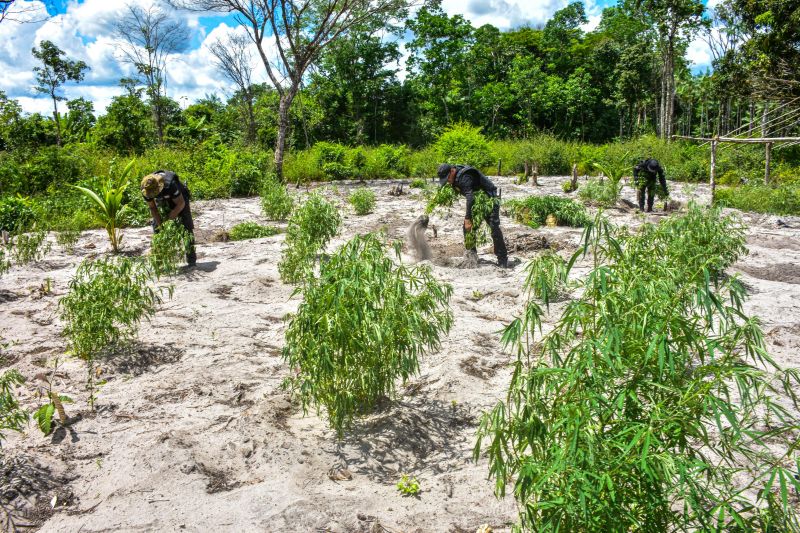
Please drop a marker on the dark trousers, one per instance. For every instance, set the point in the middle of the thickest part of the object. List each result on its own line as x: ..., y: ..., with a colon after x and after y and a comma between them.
x: 187, y: 222
x: 497, y: 234
x: 646, y: 186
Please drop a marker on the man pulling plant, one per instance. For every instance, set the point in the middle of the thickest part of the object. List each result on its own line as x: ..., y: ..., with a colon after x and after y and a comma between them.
x: 644, y: 179
x: 468, y: 181
x: 163, y: 188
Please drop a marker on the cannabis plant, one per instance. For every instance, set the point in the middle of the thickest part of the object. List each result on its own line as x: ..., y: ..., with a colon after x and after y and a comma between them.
x: 108, y: 208
x: 12, y: 417
x: 482, y: 208
x: 534, y: 210
x: 546, y: 276
x: 30, y: 246
x: 168, y: 248
x: 363, y: 324
x: 444, y: 197
x: 652, y: 405
x: 362, y: 200
x: 276, y: 202
x: 251, y: 230
x: 310, y: 228
x: 106, y: 302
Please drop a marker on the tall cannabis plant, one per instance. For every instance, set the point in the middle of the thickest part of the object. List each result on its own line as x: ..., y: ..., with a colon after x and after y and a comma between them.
x: 310, y: 228
x: 652, y: 405
x: 106, y: 302
x: 363, y: 324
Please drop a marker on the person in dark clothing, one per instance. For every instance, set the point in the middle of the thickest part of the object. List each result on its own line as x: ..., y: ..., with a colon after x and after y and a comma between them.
x: 163, y: 188
x: 467, y: 181
x: 644, y: 179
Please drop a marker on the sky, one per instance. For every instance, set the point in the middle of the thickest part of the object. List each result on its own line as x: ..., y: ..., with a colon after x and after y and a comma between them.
x: 84, y: 29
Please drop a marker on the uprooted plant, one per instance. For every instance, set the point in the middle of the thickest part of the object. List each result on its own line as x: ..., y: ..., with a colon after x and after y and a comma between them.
x: 310, y: 228
x: 534, y: 210
x: 106, y: 302
x: 652, y: 405
x: 482, y: 208
x: 363, y: 324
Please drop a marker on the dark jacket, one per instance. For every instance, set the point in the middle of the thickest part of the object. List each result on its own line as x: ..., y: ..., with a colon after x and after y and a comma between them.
x: 649, y: 169
x: 470, y: 180
x: 172, y: 189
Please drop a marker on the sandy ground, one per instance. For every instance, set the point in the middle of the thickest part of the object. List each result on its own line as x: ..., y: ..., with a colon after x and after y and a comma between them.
x: 192, y: 431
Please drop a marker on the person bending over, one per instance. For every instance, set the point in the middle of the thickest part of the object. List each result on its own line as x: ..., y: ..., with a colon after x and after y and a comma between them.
x: 644, y: 179
x: 163, y: 188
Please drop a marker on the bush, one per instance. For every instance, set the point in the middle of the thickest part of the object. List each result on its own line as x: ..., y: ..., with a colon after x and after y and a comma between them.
x: 251, y: 230
x: 533, y: 211
x: 276, y: 202
x: 780, y: 200
x: 310, y: 228
x: 600, y: 191
x: 107, y: 300
x: 568, y: 187
x: 393, y: 161
x: 16, y: 213
x: 610, y: 417
x: 363, y: 324
x: 362, y: 200
x: 463, y: 144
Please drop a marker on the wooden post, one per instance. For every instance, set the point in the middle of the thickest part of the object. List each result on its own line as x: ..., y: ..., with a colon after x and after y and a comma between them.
x: 574, y: 183
x: 535, y: 175
x: 767, y: 164
x: 526, y: 171
x: 499, y: 166
x: 713, y: 177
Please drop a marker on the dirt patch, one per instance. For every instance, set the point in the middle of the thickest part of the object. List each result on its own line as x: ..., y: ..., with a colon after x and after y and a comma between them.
x: 138, y: 358
x: 781, y: 272
x: 218, y: 480
x: 222, y: 291
x: 520, y: 243
x: 28, y: 491
x: 785, y: 336
x: 774, y: 242
x: 480, y: 367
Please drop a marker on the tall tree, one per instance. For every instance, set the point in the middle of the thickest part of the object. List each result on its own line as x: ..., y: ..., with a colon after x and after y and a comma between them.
x: 235, y: 62
x: 299, y: 30
x: 675, y: 22
x: 150, y: 36
x: 55, y: 71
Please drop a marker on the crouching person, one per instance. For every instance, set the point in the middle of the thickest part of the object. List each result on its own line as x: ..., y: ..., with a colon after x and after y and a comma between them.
x: 163, y: 188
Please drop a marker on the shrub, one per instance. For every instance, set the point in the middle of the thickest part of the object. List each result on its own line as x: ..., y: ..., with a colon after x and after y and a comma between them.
x: 30, y: 247
x: 600, y: 192
x: 310, y: 228
x: 393, y: 160
x: 569, y: 187
x: 16, y: 213
x: 108, y: 208
x: 463, y: 144
x: 12, y: 417
x: 251, y: 230
x: 276, y: 202
x: 621, y: 418
x: 168, y: 248
x: 533, y: 211
x: 302, y: 167
x: 546, y: 276
x: 107, y: 300
x: 362, y: 200
x: 363, y: 325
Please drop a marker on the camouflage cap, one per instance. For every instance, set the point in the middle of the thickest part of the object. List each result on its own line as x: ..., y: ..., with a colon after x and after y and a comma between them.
x: 152, y: 184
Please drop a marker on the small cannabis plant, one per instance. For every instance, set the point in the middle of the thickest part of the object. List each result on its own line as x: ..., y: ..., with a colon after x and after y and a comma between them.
x: 652, y: 405
x: 363, y: 324
x: 251, y: 230
x: 408, y: 485
x: 276, y: 202
x: 362, y: 200
x: 106, y: 302
x: 168, y: 248
x: 12, y: 417
x: 108, y: 208
x: 310, y: 228
x: 546, y: 276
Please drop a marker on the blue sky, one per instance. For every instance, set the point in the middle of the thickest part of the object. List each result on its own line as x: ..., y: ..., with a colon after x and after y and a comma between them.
x: 85, y: 30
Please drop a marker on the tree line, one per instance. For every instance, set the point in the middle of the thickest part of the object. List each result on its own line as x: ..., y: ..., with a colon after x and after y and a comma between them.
x: 336, y: 75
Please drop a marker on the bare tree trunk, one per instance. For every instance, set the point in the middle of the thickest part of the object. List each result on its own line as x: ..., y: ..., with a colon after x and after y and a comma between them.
x: 713, y: 177
x: 764, y: 116
x: 751, y: 117
x: 767, y: 163
x: 283, y: 130
x: 251, y: 118
x: 57, y: 121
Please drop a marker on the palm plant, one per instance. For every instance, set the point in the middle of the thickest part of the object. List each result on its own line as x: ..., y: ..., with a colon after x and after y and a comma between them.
x: 108, y: 207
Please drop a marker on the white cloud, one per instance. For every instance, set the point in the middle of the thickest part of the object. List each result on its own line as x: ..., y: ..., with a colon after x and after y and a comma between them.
x: 699, y: 54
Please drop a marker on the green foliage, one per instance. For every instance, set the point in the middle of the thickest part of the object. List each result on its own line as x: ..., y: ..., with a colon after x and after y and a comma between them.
x: 108, y: 206
x: 362, y: 200
x: 363, y: 324
x: 15, y: 213
x: 568, y: 187
x: 408, y: 485
x: 106, y: 302
x: 276, y: 202
x: 482, y: 207
x: 310, y: 228
x: 462, y: 144
x: 779, y: 200
x: 12, y: 417
x: 44, y: 415
x: 442, y: 197
x: 546, y: 276
x: 67, y: 238
x: 533, y: 211
x: 168, y: 248
x: 600, y: 192
x: 251, y: 230
x: 610, y: 416
x: 419, y: 183
x: 29, y: 247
